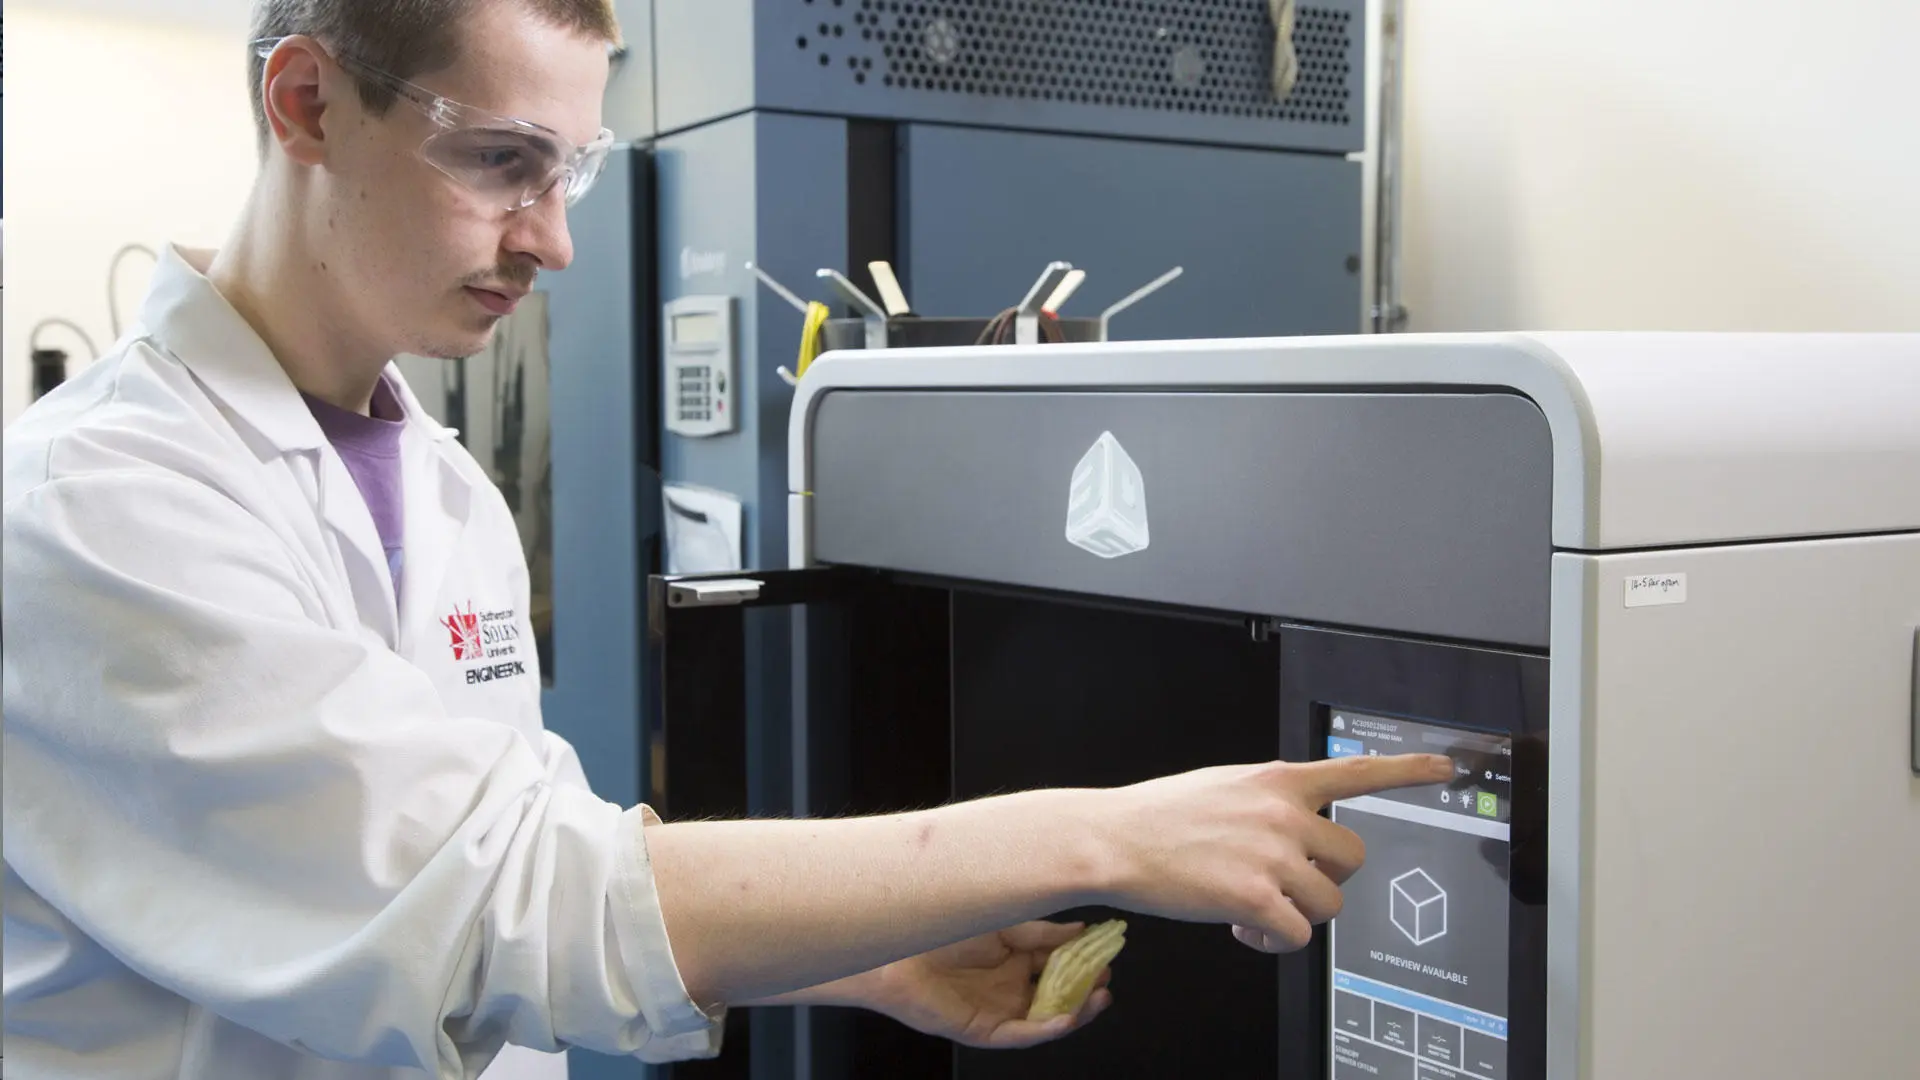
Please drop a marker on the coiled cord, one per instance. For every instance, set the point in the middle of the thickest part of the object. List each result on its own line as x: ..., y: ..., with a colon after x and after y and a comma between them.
x: 1001, y: 329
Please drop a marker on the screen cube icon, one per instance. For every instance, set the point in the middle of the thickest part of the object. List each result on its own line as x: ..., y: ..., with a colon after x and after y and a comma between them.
x: 1107, y: 502
x: 1419, y: 907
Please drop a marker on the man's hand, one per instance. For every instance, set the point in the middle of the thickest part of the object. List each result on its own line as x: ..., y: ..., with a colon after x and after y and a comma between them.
x: 1245, y: 844
x: 977, y: 992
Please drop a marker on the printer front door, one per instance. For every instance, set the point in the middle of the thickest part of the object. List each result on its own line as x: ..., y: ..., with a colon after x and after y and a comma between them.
x: 909, y: 692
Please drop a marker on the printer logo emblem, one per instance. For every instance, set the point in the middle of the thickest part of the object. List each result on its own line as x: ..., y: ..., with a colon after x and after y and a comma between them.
x: 1107, y: 502
x: 695, y: 264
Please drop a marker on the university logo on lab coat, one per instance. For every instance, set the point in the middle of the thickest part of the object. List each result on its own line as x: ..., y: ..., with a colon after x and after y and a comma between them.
x: 465, y: 628
x: 485, y: 635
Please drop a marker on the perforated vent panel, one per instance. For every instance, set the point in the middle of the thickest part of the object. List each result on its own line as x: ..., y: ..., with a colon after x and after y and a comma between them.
x: 1210, y: 57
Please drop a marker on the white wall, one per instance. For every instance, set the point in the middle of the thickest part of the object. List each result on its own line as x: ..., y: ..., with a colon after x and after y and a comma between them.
x: 1662, y: 164
x: 119, y: 128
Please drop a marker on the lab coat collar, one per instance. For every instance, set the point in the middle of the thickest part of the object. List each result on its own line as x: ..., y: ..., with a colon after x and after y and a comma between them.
x: 433, y: 527
x: 430, y: 529
x: 188, y: 317
x: 417, y: 415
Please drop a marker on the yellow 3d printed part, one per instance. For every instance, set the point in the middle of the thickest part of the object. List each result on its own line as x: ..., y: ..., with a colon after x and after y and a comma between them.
x: 1071, y: 971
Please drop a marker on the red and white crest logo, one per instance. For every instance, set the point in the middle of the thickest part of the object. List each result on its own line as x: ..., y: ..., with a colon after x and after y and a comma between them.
x: 464, y: 628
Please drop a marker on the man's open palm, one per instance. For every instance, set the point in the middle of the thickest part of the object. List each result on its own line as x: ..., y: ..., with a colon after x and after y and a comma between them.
x: 977, y: 992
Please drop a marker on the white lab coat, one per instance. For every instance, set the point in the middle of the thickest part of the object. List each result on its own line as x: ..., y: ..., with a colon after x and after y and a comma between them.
x: 260, y: 822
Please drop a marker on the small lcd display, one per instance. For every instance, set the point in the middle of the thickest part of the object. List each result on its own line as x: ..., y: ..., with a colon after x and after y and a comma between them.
x: 696, y: 328
x: 1420, y: 949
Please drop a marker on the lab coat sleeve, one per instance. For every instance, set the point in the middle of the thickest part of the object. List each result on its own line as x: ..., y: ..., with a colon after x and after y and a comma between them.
x: 278, y: 821
x: 563, y: 761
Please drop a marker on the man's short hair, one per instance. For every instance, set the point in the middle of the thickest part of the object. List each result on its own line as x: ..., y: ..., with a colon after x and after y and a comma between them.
x: 405, y: 38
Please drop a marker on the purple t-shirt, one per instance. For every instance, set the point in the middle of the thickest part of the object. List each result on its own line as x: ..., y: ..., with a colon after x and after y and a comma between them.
x: 370, y: 447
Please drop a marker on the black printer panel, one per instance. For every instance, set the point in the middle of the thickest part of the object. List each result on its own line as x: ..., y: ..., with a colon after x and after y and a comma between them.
x: 1048, y: 694
x: 964, y: 693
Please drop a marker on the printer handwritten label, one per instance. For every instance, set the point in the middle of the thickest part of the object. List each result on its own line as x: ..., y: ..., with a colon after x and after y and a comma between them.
x: 1652, y: 590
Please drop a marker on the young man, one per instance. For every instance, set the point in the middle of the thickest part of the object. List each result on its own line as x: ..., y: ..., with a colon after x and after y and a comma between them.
x: 256, y: 825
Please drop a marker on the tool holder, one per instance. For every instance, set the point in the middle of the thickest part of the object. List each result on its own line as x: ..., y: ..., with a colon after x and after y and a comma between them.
x: 875, y: 327
x: 932, y: 333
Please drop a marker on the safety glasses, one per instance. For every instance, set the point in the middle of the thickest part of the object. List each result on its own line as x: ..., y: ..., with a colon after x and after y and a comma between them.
x: 515, y: 162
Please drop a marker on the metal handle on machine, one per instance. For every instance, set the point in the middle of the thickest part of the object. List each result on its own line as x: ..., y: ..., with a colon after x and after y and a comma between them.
x: 1026, y: 318
x: 1916, y: 702
x: 872, y: 314
x: 786, y: 294
x: 778, y: 289
x: 1136, y: 296
x: 723, y: 592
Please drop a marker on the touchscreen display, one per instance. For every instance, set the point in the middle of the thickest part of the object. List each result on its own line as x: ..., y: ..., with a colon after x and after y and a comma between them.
x: 1419, y: 951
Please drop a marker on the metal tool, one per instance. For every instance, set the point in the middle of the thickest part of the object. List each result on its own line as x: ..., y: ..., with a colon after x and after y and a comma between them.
x: 1136, y: 296
x: 1066, y: 290
x: 779, y: 290
x: 1026, y: 319
x: 891, y: 294
x: 871, y: 313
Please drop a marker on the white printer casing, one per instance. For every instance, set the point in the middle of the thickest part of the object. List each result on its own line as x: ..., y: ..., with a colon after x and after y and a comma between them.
x: 1733, y: 633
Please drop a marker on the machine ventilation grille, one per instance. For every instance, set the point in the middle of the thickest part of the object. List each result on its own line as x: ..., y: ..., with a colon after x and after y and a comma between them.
x: 1212, y: 58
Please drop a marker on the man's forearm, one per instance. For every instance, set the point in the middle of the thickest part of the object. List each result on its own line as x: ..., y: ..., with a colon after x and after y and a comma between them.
x: 864, y: 990
x: 760, y: 909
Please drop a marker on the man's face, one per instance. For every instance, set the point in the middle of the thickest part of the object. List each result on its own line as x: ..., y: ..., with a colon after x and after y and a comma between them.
x: 425, y: 264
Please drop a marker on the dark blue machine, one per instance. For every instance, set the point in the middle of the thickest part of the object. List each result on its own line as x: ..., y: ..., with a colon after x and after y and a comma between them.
x: 968, y: 143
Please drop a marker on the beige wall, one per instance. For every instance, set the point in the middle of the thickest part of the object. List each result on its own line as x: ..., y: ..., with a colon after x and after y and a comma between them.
x: 118, y: 130
x: 1663, y: 164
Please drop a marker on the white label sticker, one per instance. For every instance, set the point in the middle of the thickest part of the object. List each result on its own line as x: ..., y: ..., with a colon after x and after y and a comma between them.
x: 1650, y: 590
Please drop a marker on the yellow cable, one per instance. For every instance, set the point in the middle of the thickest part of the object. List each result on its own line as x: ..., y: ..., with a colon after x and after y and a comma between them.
x: 811, y: 333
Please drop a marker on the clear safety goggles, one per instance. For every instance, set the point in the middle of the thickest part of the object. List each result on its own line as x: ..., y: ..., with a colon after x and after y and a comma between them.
x: 513, y: 161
